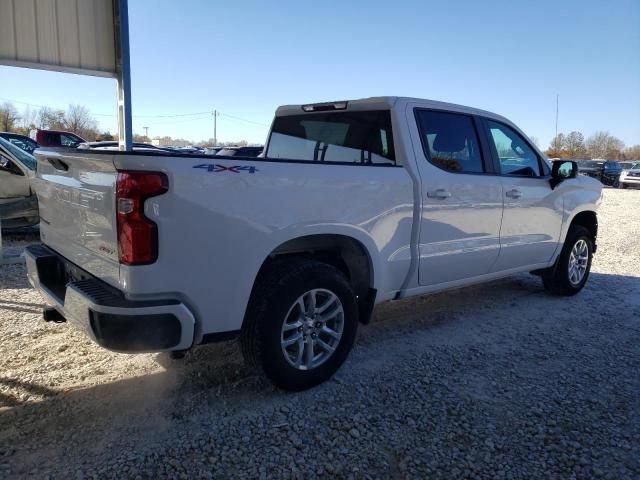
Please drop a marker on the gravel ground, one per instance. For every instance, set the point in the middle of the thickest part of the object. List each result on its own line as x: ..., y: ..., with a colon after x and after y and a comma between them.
x: 495, y: 381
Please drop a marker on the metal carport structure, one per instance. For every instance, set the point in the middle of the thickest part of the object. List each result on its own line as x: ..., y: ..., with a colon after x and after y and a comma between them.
x: 86, y: 37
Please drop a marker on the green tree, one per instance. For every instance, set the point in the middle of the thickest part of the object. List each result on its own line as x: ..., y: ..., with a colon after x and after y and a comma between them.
x: 556, y: 146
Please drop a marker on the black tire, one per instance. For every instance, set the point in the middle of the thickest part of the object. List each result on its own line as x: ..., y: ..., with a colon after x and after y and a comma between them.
x: 276, y: 292
x: 556, y: 279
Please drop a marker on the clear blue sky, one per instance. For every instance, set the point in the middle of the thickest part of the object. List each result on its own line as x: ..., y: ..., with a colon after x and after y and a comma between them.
x: 247, y: 57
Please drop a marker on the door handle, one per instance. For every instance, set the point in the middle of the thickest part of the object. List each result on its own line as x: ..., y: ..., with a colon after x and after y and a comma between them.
x: 58, y: 164
x: 440, y: 194
x: 514, y: 193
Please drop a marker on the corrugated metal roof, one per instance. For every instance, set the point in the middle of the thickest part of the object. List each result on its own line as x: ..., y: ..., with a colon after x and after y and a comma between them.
x: 64, y: 35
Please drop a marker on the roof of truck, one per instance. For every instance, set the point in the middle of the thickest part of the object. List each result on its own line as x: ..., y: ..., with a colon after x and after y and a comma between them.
x: 384, y: 103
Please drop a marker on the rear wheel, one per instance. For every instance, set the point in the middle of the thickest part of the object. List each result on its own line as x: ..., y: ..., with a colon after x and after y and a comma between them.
x: 301, y: 323
x: 571, y: 271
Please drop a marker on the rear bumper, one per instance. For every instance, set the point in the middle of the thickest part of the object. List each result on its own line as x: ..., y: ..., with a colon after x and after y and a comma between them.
x: 103, y: 312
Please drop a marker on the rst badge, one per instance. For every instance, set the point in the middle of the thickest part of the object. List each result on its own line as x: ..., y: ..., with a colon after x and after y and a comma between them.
x: 217, y: 168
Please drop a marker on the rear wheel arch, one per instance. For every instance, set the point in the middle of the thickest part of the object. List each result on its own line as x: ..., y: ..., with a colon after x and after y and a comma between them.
x: 346, y: 253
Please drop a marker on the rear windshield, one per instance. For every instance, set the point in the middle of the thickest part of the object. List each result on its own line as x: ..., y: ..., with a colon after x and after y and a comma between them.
x: 344, y: 137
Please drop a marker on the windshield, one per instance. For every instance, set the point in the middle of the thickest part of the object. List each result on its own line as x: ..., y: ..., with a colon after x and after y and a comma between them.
x: 27, y: 145
x: 25, y: 158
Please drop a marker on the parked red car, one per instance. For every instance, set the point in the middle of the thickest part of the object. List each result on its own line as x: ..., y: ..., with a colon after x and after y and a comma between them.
x: 55, y: 138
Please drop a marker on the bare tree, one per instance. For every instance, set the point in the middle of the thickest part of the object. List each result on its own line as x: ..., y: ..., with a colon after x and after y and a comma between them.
x: 574, y: 145
x: 632, y: 153
x: 78, y: 120
x: 536, y: 141
x: 604, y: 145
x: 8, y: 117
x: 50, y: 119
x: 27, y: 121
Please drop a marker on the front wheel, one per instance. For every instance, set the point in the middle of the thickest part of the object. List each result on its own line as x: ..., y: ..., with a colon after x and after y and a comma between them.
x: 571, y: 271
x: 301, y: 323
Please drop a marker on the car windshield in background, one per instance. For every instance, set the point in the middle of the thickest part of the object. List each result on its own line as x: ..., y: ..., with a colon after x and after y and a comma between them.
x: 227, y: 152
x: 24, y: 144
x: 240, y: 152
x: 25, y: 158
x: 344, y: 137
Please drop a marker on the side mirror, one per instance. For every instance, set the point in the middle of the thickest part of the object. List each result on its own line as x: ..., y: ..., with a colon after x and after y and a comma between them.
x: 5, y: 163
x: 563, y: 170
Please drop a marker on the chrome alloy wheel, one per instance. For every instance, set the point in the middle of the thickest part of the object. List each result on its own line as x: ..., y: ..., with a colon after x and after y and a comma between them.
x: 578, y: 261
x: 312, y: 329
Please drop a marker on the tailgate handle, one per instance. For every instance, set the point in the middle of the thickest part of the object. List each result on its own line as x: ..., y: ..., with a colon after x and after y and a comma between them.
x: 58, y: 164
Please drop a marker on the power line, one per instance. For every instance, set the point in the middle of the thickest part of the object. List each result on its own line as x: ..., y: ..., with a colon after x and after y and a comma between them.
x: 171, y: 115
x: 243, y: 119
x: 171, y: 122
x: 557, y: 101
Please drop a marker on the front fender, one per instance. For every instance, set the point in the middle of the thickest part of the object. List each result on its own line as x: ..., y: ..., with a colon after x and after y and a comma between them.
x: 582, y: 194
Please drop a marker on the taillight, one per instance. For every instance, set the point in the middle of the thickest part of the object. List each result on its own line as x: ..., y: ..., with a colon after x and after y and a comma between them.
x: 137, y: 235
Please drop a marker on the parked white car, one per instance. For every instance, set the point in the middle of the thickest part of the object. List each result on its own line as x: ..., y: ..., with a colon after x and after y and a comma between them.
x: 630, y: 177
x: 354, y: 203
x: 18, y: 203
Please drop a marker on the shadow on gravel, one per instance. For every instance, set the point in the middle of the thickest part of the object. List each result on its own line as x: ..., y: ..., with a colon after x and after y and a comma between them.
x: 13, y: 277
x: 214, y: 379
x: 9, y: 400
x: 20, y: 307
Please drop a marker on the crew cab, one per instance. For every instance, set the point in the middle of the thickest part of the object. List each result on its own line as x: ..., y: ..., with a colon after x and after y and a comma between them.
x: 351, y: 204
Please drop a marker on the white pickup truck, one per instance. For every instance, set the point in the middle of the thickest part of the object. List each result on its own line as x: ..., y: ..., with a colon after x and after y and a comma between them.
x: 351, y: 204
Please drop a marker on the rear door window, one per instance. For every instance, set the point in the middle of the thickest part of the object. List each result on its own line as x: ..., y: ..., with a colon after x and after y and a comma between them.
x: 451, y: 140
x: 363, y: 138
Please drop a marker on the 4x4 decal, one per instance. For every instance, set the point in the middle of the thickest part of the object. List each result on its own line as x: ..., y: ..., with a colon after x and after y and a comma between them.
x: 216, y: 168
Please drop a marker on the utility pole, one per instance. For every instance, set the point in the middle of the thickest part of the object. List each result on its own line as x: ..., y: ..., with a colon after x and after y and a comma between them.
x: 557, y: 99
x: 215, y: 128
x: 146, y: 132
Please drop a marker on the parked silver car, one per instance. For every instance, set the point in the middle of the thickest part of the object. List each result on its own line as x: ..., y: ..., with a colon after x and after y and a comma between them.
x: 18, y: 202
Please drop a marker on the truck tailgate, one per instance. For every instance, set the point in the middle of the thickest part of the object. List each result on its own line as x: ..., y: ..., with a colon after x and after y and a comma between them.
x: 76, y: 196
